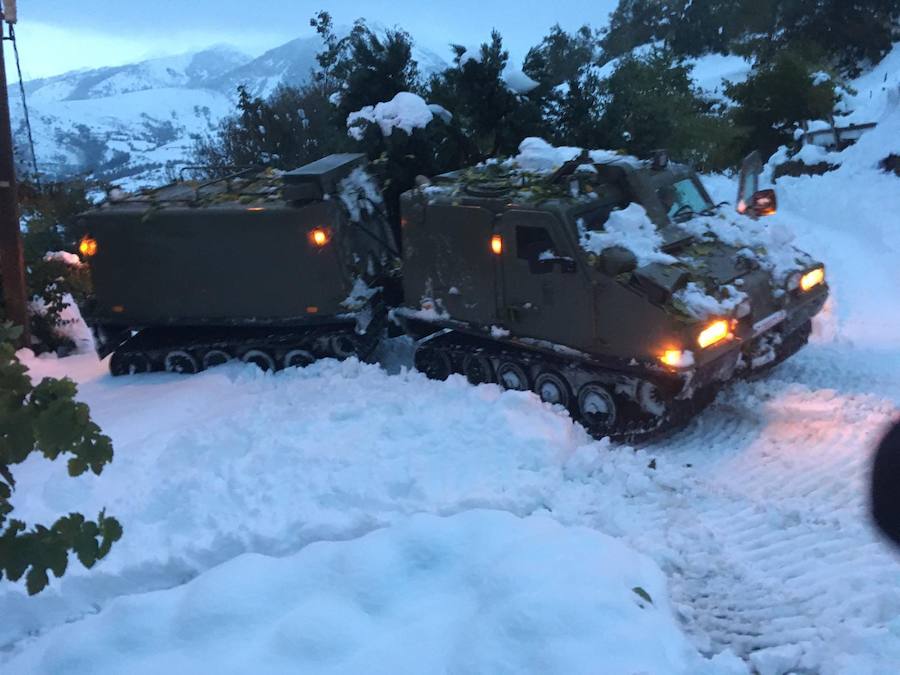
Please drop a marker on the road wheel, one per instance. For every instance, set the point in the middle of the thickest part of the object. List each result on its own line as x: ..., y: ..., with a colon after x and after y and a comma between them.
x: 259, y: 358
x: 342, y: 346
x: 297, y: 358
x: 512, y: 376
x: 433, y: 363
x: 597, y: 408
x: 651, y: 399
x: 129, y: 363
x: 477, y: 369
x: 553, y: 388
x: 179, y: 361
x: 215, y: 357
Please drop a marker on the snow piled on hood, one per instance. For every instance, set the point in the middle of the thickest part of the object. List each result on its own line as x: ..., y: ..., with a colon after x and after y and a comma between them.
x: 406, y: 111
x: 768, y: 241
x: 699, y: 304
x: 628, y: 228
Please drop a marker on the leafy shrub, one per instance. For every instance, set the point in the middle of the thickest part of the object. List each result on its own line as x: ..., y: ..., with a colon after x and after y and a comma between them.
x: 46, y: 419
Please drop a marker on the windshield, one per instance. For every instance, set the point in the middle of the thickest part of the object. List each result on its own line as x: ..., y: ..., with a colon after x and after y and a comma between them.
x: 683, y: 199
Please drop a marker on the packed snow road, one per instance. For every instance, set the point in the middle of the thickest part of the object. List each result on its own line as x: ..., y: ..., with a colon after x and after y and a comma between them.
x: 756, y: 512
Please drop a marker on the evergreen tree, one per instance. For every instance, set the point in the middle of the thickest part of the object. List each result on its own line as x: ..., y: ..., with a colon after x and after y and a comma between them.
x: 364, y: 68
x: 776, y: 97
x: 848, y: 32
x: 492, y: 118
x: 46, y: 419
x: 560, y: 57
x: 575, y: 112
x: 290, y: 128
x: 651, y: 102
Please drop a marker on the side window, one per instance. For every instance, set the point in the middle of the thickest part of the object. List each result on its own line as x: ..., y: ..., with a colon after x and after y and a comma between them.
x: 534, y: 245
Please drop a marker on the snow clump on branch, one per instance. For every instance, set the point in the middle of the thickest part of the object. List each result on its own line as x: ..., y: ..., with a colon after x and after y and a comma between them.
x: 406, y: 111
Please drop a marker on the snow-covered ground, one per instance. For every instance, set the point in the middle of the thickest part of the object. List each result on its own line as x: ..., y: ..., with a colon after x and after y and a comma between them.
x: 341, y: 517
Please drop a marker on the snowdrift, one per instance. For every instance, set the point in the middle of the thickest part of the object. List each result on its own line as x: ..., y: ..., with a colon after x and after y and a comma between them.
x: 479, y: 592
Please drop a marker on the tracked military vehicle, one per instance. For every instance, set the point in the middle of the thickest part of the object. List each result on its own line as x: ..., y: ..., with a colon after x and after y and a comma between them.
x: 276, y: 269
x: 613, y: 287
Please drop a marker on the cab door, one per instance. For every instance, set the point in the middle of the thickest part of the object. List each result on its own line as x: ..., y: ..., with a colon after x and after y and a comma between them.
x: 543, y: 293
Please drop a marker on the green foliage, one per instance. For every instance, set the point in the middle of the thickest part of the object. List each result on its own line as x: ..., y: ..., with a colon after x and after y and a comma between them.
x: 288, y: 129
x: 50, y: 223
x: 776, y: 97
x: 364, y: 67
x: 641, y: 593
x: 46, y: 419
x: 492, y: 119
x: 560, y: 57
x: 397, y: 159
x: 843, y: 32
x: 650, y: 102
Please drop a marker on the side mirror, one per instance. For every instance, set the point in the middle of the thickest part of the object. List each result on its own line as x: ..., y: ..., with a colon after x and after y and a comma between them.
x: 763, y: 203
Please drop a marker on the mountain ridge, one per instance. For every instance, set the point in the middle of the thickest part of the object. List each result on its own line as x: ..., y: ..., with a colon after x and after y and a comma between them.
x: 135, y: 123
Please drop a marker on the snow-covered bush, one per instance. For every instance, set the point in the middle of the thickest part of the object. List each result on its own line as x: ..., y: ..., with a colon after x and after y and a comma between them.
x: 55, y: 278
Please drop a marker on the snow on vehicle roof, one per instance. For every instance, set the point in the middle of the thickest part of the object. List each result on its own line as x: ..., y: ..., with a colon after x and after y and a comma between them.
x: 537, y: 155
x: 526, y: 174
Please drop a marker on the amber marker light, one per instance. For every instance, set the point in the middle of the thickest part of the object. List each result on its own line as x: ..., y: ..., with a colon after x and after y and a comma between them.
x: 497, y: 244
x: 812, y: 279
x: 672, y: 357
x: 319, y: 237
x: 87, y: 246
x: 714, y: 332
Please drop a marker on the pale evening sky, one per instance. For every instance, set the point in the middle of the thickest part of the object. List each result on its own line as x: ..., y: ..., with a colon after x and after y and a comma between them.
x: 56, y: 36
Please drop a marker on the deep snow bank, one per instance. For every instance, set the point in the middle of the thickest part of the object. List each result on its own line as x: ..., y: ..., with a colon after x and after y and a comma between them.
x: 479, y: 592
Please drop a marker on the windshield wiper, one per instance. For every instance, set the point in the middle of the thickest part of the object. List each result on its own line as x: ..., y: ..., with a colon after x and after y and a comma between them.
x: 684, y: 212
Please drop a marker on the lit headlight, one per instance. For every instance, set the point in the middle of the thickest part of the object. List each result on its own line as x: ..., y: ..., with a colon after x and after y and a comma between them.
x: 813, y: 278
x: 714, y: 332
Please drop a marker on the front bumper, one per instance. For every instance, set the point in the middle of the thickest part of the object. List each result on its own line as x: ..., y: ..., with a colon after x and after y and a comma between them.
x: 759, y: 342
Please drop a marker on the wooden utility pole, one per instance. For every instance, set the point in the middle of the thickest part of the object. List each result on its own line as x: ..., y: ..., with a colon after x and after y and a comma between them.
x: 12, y: 264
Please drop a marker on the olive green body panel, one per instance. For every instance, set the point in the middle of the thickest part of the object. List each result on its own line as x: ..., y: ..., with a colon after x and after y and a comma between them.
x: 544, y: 292
x: 541, y: 284
x: 448, y: 264
x: 220, y: 264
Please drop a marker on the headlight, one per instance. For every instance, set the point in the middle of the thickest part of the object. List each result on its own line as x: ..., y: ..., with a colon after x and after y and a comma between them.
x: 714, y: 332
x: 812, y: 279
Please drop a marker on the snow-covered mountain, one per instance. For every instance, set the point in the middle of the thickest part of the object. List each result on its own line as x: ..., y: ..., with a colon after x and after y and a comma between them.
x: 135, y: 123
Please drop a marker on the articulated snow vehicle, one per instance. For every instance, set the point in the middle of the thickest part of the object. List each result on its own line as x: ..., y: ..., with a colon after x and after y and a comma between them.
x: 276, y: 269
x: 611, y: 286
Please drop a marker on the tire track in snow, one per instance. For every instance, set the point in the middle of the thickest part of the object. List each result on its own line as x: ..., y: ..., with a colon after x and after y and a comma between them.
x: 775, y: 521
